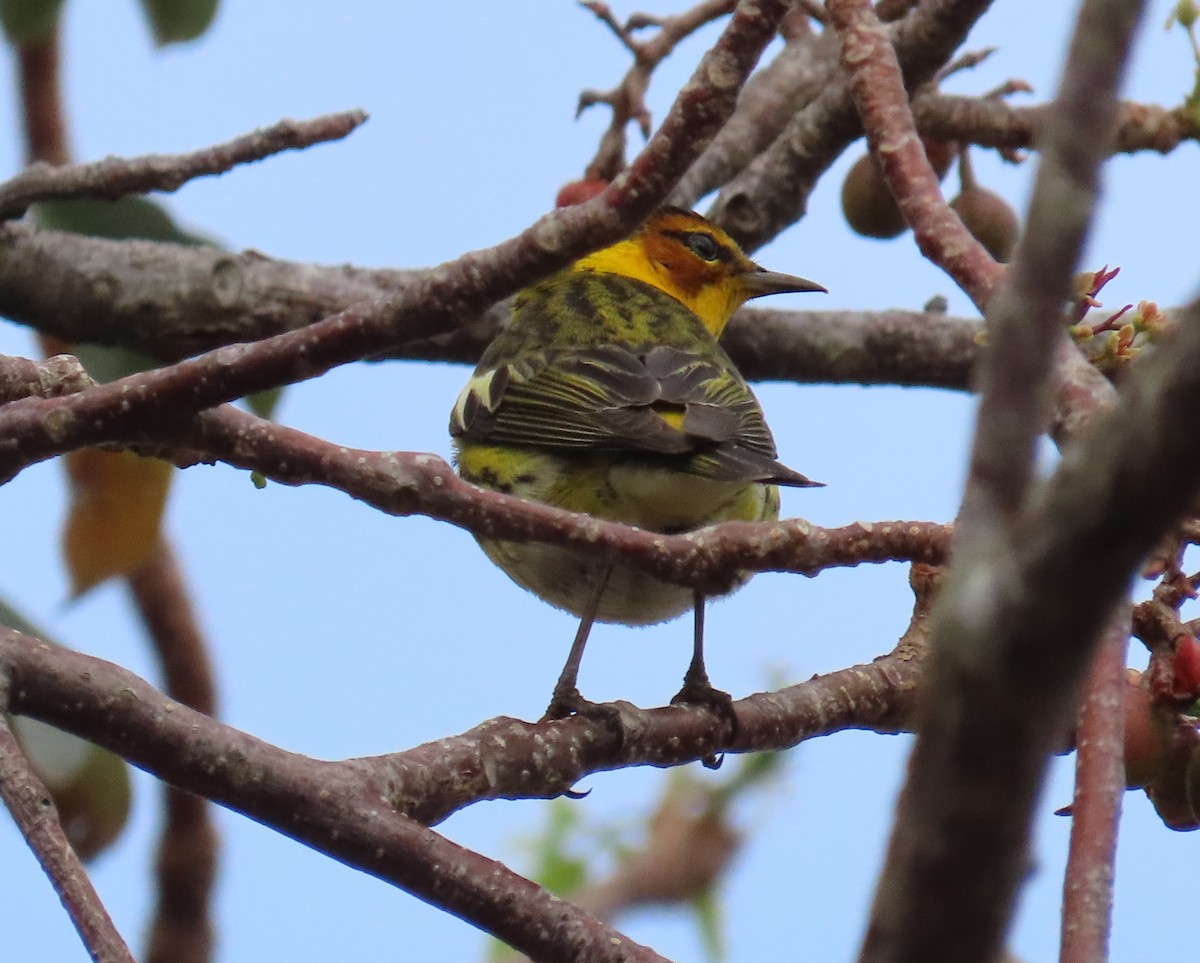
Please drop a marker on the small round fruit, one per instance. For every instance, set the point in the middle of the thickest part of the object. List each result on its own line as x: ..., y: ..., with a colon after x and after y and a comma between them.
x: 989, y: 218
x: 867, y: 204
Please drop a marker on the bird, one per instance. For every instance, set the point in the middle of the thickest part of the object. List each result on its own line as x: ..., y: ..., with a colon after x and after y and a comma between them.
x: 607, y: 392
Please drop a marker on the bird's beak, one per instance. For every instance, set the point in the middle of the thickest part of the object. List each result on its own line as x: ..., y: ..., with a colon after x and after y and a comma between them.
x: 760, y: 282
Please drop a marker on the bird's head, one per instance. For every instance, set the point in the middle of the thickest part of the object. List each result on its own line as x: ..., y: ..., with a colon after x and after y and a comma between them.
x: 695, y: 262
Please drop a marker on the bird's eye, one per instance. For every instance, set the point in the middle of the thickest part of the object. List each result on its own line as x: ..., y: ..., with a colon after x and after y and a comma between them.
x: 704, y: 246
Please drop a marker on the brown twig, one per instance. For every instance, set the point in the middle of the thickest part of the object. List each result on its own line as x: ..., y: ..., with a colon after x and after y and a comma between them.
x: 40, y: 84
x: 33, y: 811
x: 1027, y: 595
x: 877, y: 85
x: 335, y: 807
x: 628, y: 99
x: 502, y: 758
x: 24, y: 378
x: 771, y: 98
x: 403, y: 483
x: 116, y: 177
x: 181, y: 930
x: 434, y: 300
x: 989, y: 122
x: 968, y: 60
x: 1099, y: 788
x: 772, y: 192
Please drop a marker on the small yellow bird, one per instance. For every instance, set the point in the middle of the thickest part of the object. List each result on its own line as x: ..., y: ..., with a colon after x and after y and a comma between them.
x: 607, y: 393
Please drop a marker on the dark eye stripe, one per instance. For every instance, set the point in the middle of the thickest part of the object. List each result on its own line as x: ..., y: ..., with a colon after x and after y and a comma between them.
x: 704, y: 246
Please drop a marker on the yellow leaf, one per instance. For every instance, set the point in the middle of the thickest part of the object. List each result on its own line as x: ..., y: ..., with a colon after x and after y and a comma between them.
x: 117, y: 502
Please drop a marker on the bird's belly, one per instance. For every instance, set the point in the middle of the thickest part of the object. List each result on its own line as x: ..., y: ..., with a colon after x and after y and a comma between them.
x: 669, y: 502
x: 567, y: 580
x: 676, y: 502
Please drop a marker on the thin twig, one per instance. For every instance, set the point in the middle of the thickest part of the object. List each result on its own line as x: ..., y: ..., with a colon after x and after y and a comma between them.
x: 33, y: 811
x: 336, y: 807
x: 60, y: 375
x: 42, y: 120
x: 116, y: 177
x: 1096, y: 810
x: 502, y: 758
x: 182, y: 929
x: 628, y: 99
x: 990, y: 122
x: 404, y: 483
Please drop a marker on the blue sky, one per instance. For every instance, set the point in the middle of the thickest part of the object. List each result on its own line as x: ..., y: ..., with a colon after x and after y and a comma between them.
x: 338, y: 632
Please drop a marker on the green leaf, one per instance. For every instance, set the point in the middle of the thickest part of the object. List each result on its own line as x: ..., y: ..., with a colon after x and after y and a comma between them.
x: 15, y: 620
x: 105, y: 363
x: 122, y: 219
x: 90, y: 786
x: 708, y: 918
x: 264, y: 403
x: 27, y: 21
x: 176, y: 21
x: 557, y: 869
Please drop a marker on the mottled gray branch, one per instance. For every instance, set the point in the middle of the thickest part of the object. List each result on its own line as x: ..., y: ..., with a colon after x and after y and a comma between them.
x: 172, y: 301
x: 116, y: 177
x: 772, y: 192
x: 992, y: 122
x: 502, y: 758
x: 1042, y: 568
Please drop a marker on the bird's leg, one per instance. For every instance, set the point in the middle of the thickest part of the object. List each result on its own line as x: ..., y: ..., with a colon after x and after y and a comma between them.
x: 566, y: 698
x: 697, y: 690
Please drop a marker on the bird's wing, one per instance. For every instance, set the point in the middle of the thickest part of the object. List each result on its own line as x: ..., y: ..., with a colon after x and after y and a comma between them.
x: 687, y: 407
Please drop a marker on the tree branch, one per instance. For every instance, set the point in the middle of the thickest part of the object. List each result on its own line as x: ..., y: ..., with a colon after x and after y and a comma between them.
x: 116, y: 177
x: 317, y: 804
x: 772, y: 192
x: 182, y: 928
x: 502, y: 758
x: 1020, y: 611
x: 33, y: 811
x: 104, y: 292
x: 406, y: 483
x: 1096, y: 810
x: 992, y: 122
x: 878, y: 88
x: 910, y: 348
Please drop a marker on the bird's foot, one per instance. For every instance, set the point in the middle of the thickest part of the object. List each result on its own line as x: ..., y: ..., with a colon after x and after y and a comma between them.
x: 698, y: 691
x: 570, y: 703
